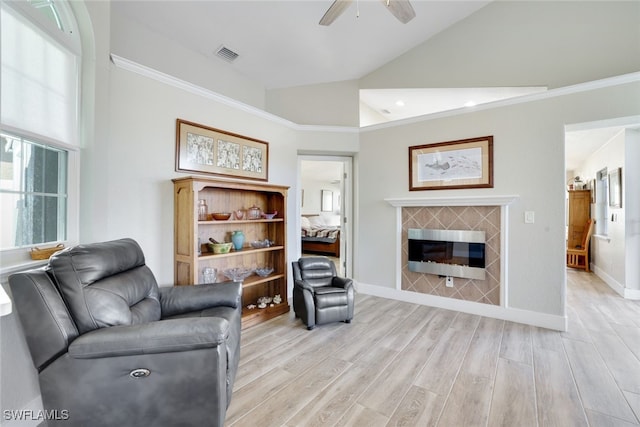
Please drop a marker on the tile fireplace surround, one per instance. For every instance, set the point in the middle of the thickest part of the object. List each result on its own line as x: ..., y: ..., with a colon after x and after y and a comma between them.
x: 477, y: 218
x: 488, y: 214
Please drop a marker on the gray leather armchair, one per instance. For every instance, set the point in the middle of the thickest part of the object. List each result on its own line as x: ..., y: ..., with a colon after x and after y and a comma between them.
x: 113, y: 349
x: 319, y: 294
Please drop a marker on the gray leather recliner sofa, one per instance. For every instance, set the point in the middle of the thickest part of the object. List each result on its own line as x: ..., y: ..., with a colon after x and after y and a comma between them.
x: 113, y: 349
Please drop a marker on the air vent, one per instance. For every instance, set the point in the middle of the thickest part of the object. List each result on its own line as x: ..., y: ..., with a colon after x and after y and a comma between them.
x: 226, y: 54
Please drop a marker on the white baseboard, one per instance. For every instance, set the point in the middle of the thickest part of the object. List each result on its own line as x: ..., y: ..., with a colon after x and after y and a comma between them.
x: 618, y: 287
x: 533, y: 318
x: 631, y: 293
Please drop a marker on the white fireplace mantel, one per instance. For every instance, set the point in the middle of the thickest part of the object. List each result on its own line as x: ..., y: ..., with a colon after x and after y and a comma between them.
x: 500, y: 200
x: 452, y: 201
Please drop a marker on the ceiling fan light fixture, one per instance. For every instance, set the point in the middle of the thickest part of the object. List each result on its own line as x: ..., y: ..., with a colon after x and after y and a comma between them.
x: 401, y: 9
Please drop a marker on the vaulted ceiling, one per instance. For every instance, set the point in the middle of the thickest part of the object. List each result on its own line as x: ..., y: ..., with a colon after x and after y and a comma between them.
x: 281, y: 44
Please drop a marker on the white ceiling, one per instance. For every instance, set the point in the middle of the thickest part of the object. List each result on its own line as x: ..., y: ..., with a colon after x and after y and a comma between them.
x: 397, y: 104
x: 281, y: 44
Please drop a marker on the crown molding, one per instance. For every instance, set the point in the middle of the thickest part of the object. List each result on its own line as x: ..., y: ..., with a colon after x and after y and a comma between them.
x: 551, y: 93
x: 167, y: 79
x: 151, y: 73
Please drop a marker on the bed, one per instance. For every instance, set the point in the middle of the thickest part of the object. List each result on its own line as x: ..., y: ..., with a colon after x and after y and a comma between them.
x: 319, y: 238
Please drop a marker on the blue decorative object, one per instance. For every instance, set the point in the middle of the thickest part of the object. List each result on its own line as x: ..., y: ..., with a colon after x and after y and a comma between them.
x: 237, y: 237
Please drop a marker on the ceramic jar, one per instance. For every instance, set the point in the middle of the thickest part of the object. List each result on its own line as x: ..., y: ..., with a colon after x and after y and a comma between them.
x: 254, y: 212
x: 237, y: 238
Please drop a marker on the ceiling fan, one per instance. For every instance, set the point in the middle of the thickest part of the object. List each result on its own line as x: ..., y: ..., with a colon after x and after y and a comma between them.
x: 401, y: 9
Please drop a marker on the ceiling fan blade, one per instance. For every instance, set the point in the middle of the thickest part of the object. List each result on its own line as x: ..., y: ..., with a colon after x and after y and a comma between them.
x: 334, y: 11
x: 401, y: 9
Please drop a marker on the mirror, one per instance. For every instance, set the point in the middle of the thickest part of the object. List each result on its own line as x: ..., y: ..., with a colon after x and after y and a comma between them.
x: 327, y: 201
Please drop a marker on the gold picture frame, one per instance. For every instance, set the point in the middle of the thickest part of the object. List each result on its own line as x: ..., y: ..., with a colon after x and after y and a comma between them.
x: 207, y: 150
x: 465, y: 163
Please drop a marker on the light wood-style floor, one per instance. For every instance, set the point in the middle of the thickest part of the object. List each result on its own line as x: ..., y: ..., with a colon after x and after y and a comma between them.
x: 401, y: 364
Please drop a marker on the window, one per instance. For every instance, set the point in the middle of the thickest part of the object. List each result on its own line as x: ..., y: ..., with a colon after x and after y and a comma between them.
x: 602, y: 202
x: 33, y: 192
x: 40, y: 59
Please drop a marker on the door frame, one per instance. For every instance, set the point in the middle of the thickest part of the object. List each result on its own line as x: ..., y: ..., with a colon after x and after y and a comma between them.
x: 346, y: 207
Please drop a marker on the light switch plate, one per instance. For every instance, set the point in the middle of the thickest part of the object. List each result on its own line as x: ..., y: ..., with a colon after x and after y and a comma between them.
x: 529, y: 217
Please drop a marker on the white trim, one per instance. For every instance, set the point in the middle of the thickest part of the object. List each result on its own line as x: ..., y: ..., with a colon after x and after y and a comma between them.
x: 617, y: 287
x: 632, y: 294
x: 68, y: 38
x: 552, y: 93
x: 452, y: 201
x: 543, y: 320
x: 8, y: 270
x: 143, y: 70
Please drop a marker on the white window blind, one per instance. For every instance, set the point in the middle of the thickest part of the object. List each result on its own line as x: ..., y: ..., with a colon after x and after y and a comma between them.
x: 39, y: 81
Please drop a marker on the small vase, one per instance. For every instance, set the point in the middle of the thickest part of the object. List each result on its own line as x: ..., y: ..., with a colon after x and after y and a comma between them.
x: 237, y: 237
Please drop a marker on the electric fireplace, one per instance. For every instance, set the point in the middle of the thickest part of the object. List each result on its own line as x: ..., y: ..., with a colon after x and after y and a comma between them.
x: 455, y: 253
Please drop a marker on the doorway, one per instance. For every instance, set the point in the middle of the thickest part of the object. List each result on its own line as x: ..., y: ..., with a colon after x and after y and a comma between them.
x: 326, y: 208
x: 596, y: 152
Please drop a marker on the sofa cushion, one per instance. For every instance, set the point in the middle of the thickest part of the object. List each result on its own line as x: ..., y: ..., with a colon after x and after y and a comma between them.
x: 106, y: 284
x: 330, y: 297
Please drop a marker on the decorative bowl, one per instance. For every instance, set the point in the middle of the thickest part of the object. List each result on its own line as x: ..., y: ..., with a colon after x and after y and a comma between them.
x: 259, y: 244
x: 269, y: 215
x: 264, y: 271
x: 221, y: 216
x: 237, y: 274
x: 221, y: 248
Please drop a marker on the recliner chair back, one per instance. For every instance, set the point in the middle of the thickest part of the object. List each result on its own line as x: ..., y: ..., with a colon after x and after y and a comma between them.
x: 315, y: 271
x: 51, y: 328
x: 108, y: 285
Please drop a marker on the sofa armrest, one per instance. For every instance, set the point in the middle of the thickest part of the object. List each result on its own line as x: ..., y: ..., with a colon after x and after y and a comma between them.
x: 163, y: 336
x: 342, y: 282
x: 303, y: 285
x: 184, y: 299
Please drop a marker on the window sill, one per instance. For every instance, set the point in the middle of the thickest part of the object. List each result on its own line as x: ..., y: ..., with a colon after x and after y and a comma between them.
x: 5, y: 271
x: 602, y: 237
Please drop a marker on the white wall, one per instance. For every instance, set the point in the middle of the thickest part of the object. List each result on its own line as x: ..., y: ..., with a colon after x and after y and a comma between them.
x: 528, y: 161
x: 608, y: 255
x: 332, y: 104
x: 522, y: 43
x: 631, y: 200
